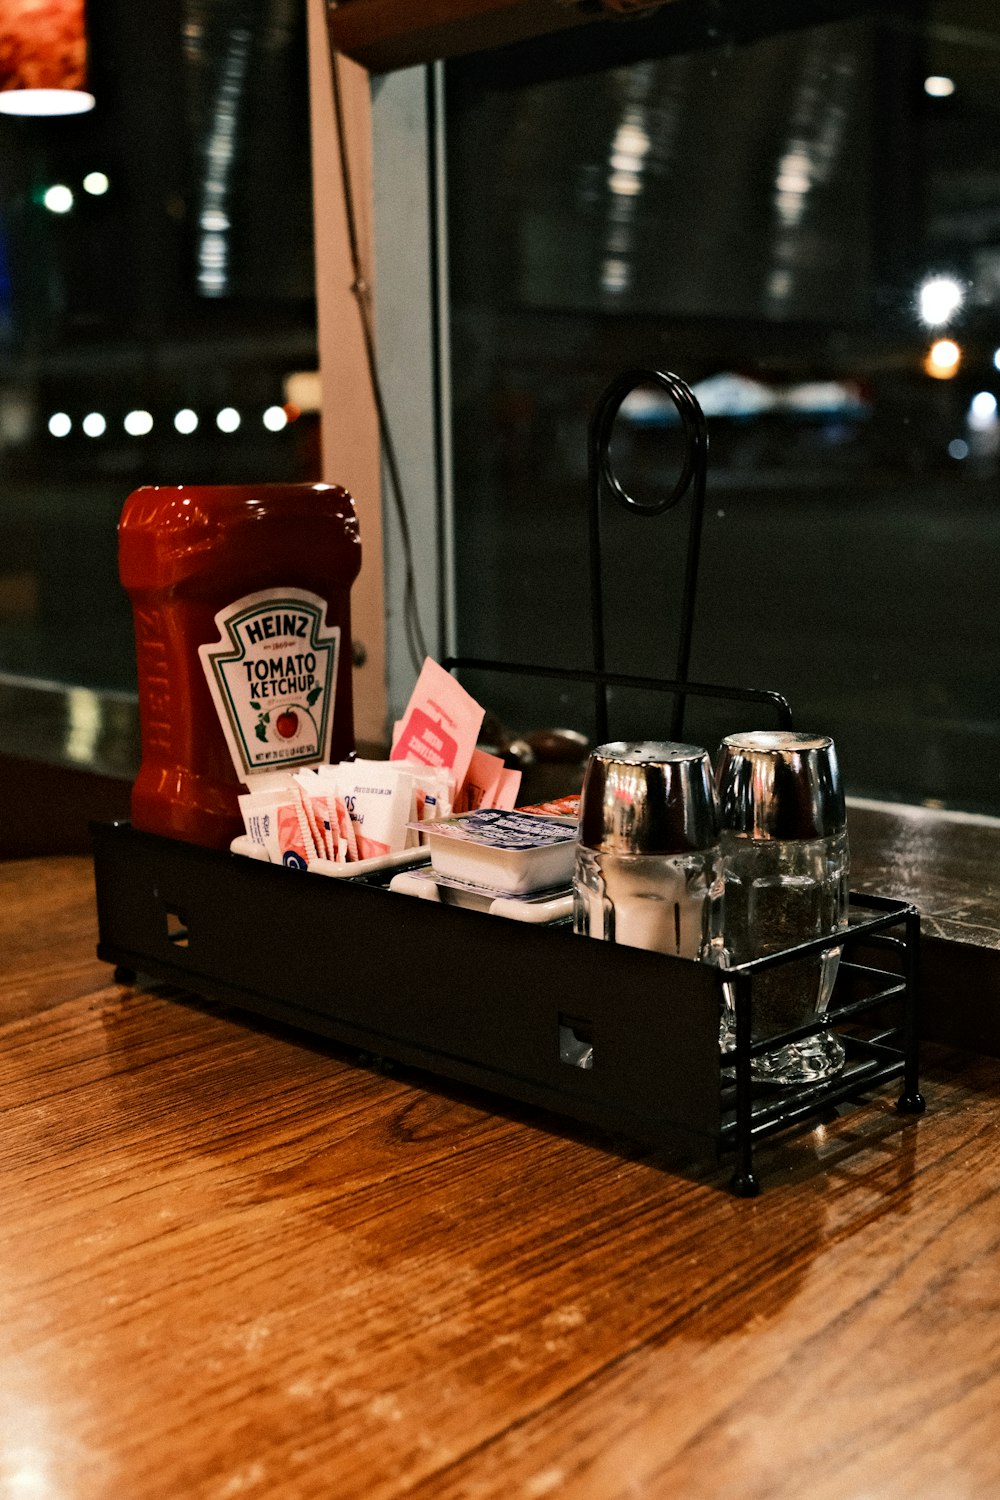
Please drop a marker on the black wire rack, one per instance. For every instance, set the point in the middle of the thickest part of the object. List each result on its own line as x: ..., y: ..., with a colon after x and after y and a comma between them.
x: 612, y: 1036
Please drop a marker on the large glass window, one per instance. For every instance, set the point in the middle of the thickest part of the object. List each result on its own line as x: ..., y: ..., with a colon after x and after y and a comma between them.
x: 156, y: 294
x: 804, y: 224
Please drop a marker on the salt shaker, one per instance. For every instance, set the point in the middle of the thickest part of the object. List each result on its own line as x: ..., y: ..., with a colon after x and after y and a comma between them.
x: 647, y: 865
x: 785, y: 857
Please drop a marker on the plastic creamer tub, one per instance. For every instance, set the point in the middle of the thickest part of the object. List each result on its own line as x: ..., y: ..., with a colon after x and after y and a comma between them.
x: 512, y: 852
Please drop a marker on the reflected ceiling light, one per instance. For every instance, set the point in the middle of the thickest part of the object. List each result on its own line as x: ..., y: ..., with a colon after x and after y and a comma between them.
x: 982, y: 411
x: 58, y: 198
x: 939, y: 299
x: 794, y: 173
x: 938, y: 86
x: 628, y: 149
x: 275, y: 418
x: 43, y: 59
x: 625, y: 184
x: 186, y: 421
x: 996, y: 359
x: 95, y: 183
x: 645, y: 407
x: 86, y: 720
x: 958, y: 448
x: 220, y: 159
x: 94, y: 424
x: 138, y: 423
x: 631, y: 139
x: 213, y: 251
x: 727, y: 394
x: 943, y: 358
x: 615, y: 275
x: 228, y: 419
x: 60, y: 424
x: 824, y: 397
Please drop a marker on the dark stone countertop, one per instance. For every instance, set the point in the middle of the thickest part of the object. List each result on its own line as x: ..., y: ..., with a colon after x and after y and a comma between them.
x: 946, y: 863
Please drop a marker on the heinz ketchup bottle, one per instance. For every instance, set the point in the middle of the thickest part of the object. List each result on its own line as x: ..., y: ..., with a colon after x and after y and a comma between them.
x: 241, y: 602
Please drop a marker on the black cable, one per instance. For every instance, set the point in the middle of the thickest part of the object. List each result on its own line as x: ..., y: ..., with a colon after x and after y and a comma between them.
x: 362, y: 295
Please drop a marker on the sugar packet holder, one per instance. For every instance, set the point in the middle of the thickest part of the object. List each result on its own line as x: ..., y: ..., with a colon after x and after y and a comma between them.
x: 343, y: 815
x: 402, y: 859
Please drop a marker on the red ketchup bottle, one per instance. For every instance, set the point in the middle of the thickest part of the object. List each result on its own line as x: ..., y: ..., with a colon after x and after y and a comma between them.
x: 241, y: 602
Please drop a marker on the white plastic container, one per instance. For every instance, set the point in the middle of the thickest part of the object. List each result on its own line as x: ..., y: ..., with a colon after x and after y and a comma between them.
x: 510, y: 852
x: 540, y: 910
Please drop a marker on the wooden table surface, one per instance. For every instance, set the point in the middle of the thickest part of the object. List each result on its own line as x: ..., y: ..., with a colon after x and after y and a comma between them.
x: 234, y: 1264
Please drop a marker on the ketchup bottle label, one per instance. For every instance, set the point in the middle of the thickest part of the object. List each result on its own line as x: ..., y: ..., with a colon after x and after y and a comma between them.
x: 272, y: 675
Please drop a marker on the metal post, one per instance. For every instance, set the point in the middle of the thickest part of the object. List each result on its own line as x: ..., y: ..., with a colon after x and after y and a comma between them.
x: 743, y: 1183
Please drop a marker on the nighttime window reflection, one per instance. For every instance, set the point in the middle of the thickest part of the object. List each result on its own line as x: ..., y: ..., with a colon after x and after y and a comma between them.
x: 157, y: 318
x: 804, y: 225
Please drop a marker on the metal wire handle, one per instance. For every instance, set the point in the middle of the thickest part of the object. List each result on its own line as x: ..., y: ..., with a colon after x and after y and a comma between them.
x: 601, y: 472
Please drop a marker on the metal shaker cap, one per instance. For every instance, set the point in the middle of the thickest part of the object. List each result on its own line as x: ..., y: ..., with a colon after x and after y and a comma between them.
x: 779, y: 785
x: 648, y: 797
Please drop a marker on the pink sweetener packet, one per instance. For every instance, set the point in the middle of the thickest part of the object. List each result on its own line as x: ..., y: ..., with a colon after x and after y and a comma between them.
x: 416, y: 814
x: 438, y: 789
x: 294, y: 839
x: 347, y: 839
x: 507, y: 789
x: 432, y: 798
x: 482, y: 781
x: 317, y: 817
x: 441, y: 723
x: 341, y: 827
x: 275, y: 820
x: 337, y: 826
x: 335, y: 846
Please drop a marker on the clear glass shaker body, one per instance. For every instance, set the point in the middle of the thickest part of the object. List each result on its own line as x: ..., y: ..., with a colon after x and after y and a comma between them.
x: 780, y: 892
x: 666, y: 903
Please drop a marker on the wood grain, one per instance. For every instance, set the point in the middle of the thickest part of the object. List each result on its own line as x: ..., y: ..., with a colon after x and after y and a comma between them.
x: 234, y: 1264
x: 48, y: 934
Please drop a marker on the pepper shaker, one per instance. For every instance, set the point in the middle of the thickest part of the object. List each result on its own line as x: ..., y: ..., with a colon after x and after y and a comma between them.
x: 785, y: 857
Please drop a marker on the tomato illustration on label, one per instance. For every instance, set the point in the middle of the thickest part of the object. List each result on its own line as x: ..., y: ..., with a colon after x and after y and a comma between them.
x: 288, y: 722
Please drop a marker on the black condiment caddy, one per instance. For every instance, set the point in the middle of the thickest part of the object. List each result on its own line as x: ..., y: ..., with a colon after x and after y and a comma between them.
x: 497, y: 1003
x: 613, y: 1036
